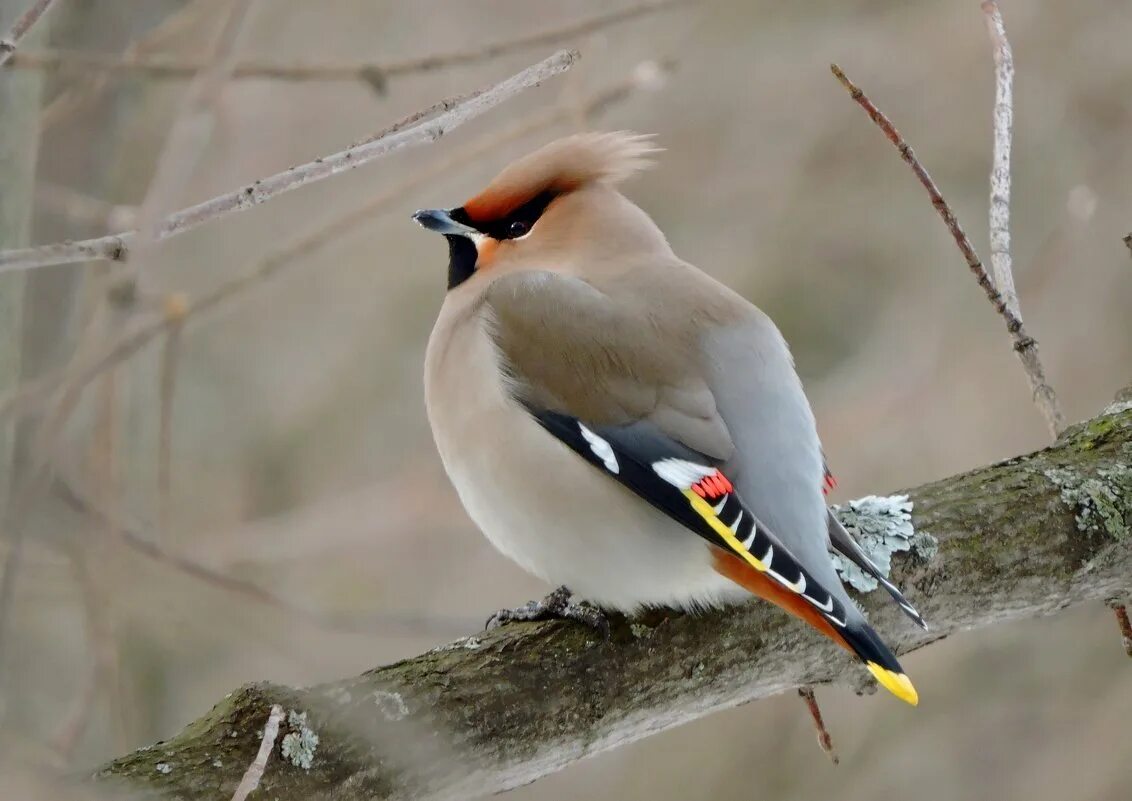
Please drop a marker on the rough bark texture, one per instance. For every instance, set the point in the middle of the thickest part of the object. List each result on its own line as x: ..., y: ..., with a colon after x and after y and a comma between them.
x: 1022, y: 538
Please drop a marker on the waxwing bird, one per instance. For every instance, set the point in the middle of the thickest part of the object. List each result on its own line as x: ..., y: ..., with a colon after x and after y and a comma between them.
x: 615, y: 420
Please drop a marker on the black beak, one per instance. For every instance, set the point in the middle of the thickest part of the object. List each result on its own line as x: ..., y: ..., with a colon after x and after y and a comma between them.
x: 441, y: 221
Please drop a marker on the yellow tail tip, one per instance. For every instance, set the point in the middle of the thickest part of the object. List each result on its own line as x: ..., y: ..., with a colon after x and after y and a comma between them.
x: 896, y: 683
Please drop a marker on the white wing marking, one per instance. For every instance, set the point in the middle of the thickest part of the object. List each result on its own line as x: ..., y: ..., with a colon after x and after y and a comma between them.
x: 682, y: 473
x: 798, y: 588
x: 601, y: 449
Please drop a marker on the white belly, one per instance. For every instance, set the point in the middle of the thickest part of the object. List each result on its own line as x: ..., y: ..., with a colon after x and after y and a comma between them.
x: 546, y: 508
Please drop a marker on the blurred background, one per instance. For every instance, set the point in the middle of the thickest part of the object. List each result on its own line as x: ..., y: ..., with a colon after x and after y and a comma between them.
x: 243, y: 498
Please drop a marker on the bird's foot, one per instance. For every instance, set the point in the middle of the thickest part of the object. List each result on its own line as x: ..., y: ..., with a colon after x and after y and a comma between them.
x: 558, y: 606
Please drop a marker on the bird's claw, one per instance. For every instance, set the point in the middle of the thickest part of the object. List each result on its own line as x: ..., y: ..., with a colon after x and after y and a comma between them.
x: 556, y: 605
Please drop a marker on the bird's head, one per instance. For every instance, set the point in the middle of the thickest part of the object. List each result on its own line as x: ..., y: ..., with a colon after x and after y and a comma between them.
x: 555, y: 208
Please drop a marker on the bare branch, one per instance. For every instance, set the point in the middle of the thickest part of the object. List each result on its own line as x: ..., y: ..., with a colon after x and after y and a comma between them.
x: 189, y: 134
x: 254, y: 773
x: 143, y: 329
x: 1025, y: 345
x: 999, y: 226
x: 133, y: 537
x: 1125, y: 625
x: 375, y: 73
x: 170, y: 361
x: 78, y: 718
x: 81, y: 208
x: 825, y: 741
x: 647, y: 76
x: 90, y: 86
x: 101, y: 637
x: 116, y: 246
x: 500, y: 709
x: 1000, y: 168
x: 35, y: 481
x: 104, y: 456
x: 11, y: 40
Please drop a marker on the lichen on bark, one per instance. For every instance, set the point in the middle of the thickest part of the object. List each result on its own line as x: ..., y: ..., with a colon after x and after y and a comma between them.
x: 882, y: 525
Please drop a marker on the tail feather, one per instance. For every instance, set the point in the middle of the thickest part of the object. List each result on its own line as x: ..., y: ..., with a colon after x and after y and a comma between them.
x: 845, y: 545
x: 857, y: 636
x: 879, y: 659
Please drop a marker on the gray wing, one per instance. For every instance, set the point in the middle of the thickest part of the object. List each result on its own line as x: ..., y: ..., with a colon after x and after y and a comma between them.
x: 572, y: 349
x: 777, y: 467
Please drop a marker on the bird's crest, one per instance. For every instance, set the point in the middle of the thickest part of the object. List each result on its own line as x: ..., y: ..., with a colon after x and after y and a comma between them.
x: 563, y: 166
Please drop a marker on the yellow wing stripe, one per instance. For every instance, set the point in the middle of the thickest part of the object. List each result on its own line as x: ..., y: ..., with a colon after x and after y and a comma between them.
x: 704, y: 510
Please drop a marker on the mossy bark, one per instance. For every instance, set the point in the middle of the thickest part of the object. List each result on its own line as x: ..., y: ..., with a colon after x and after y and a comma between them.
x: 502, y: 709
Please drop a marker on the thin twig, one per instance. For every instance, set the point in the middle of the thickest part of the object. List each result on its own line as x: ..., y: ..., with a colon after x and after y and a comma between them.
x: 36, y: 482
x: 81, y: 208
x: 78, y: 718
x: 1121, y: 612
x: 1025, y: 345
x: 11, y: 40
x: 88, y: 364
x: 105, y: 464
x: 1000, y: 169
x: 824, y: 739
x: 90, y: 86
x: 170, y: 361
x: 188, y: 136
x: 132, y: 537
x: 254, y: 773
x: 101, y: 634
x: 104, y: 668
x: 374, y: 73
x: 647, y: 76
x: 116, y: 246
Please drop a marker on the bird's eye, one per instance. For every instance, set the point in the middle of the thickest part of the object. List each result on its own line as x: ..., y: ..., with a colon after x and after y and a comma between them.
x: 517, y: 229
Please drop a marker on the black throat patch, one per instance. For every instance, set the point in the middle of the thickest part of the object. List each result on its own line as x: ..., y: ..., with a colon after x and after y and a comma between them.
x: 462, y: 256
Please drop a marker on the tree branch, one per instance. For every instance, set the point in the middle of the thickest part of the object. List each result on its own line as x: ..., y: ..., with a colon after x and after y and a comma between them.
x: 1124, y: 624
x: 1019, y: 539
x: 376, y: 73
x: 1024, y: 345
x: 84, y: 91
x: 189, y: 134
x: 1000, y: 168
x: 457, y: 112
x: 11, y: 40
x: 135, y: 537
x: 647, y: 76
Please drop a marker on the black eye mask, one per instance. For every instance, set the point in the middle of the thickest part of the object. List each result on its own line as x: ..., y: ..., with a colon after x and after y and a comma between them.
x: 516, y: 224
x: 462, y: 253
